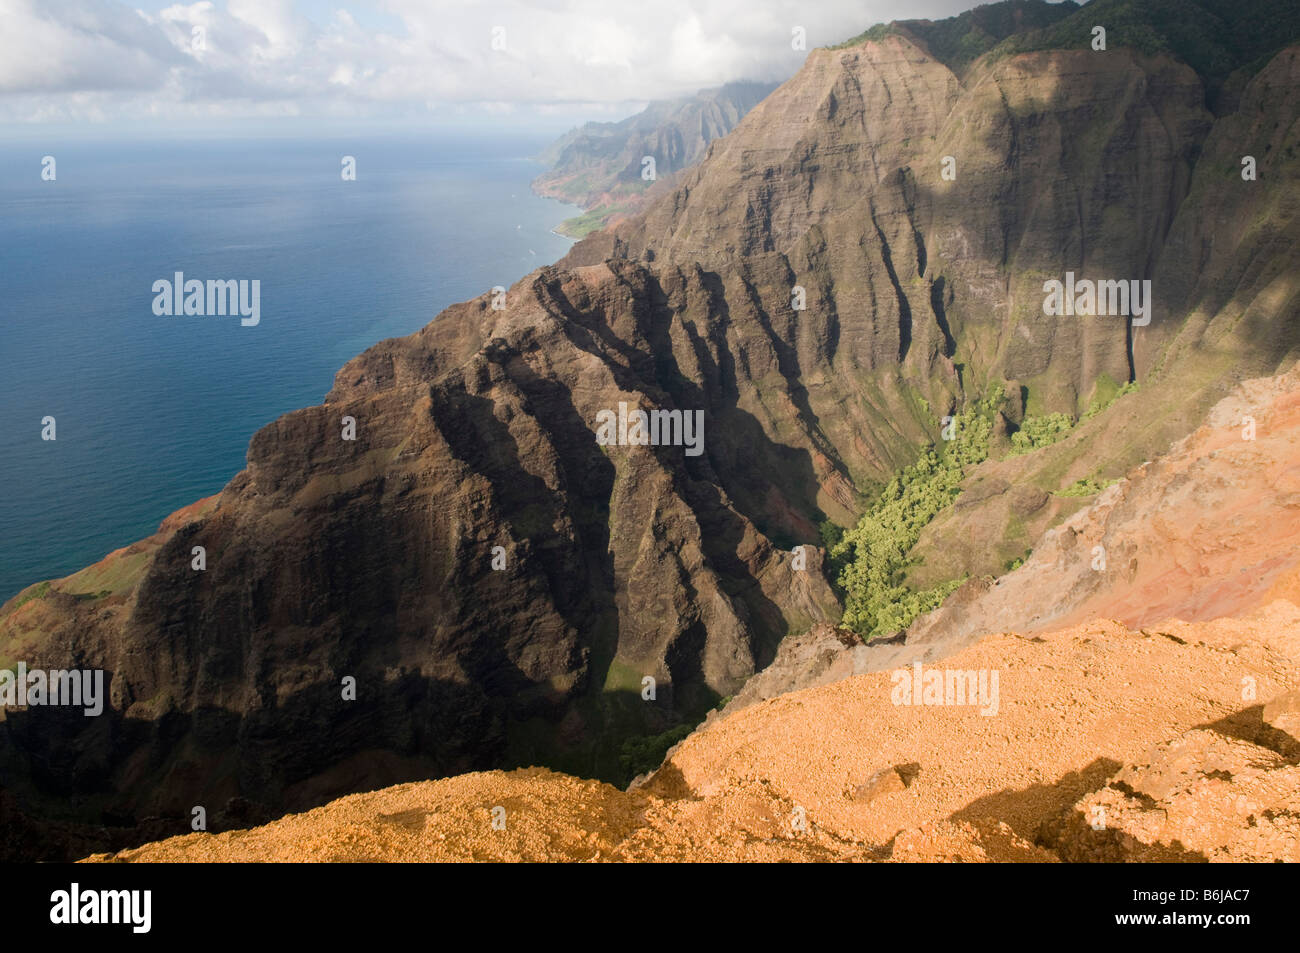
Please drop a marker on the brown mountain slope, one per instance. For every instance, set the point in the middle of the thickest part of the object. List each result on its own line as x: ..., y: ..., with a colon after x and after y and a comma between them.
x: 1107, y: 165
x: 1207, y: 530
x: 599, y: 157
x: 1099, y: 741
x: 373, y: 559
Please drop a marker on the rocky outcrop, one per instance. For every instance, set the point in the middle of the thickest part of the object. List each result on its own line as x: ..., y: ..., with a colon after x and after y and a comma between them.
x: 825, y: 653
x: 932, y: 288
x: 376, y: 560
x: 1204, y: 796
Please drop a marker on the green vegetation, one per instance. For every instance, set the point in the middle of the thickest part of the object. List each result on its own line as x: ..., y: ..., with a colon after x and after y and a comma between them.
x: 1088, y: 486
x: 92, y: 596
x: 117, y: 575
x: 38, y: 591
x: 1038, y: 432
x: 871, y: 559
x: 622, y: 735
x: 1107, y: 393
x: 831, y: 534
x: 1043, y: 431
x: 1213, y: 37
x: 622, y: 677
x: 959, y: 41
x: 869, y: 563
x: 873, y: 34
x: 646, y: 752
x: 593, y: 220
x: 1011, y: 565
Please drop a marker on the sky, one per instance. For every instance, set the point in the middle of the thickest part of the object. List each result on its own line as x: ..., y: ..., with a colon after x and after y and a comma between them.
x: 112, y: 65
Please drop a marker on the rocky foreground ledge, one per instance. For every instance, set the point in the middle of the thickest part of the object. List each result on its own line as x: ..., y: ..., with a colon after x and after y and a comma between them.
x: 1108, y: 744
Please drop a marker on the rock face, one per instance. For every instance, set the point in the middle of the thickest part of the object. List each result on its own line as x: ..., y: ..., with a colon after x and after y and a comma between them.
x: 1209, y: 529
x: 1282, y: 716
x: 376, y: 559
x: 1204, y: 796
x: 928, y: 290
x: 600, y: 165
x: 825, y: 653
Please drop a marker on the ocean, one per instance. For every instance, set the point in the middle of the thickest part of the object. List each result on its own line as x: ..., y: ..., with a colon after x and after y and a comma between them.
x: 153, y: 412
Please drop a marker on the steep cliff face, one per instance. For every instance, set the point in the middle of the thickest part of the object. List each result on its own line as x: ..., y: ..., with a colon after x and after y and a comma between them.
x: 601, y: 165
x: 1208, y: 530
x: 1104, y: 164
x: 840, y: 176
x: 376, y: 559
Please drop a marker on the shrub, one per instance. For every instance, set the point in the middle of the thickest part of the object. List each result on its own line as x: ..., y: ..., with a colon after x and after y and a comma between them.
x: 1088, y: 486
x: 874, y: 554
x: 1099, y: 403
x: 1038, y: 432
x: 646, y: 752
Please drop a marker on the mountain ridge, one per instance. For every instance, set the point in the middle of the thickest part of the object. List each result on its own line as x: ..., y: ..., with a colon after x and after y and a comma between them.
x: 373, y: 558
x: 601, y: 166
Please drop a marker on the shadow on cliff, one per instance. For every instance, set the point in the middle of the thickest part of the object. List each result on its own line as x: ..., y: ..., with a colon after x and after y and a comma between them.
x: 132, y: 780
x: 741, y: 470
x: 583, y: 732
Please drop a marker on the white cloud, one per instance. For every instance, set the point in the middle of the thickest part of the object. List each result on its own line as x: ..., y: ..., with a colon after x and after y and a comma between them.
x: 104, y: 60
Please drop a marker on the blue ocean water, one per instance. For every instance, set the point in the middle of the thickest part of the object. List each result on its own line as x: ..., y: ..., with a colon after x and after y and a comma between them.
x: 154, y: 412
